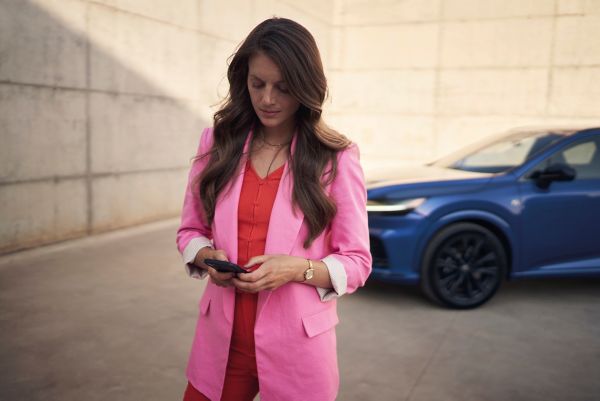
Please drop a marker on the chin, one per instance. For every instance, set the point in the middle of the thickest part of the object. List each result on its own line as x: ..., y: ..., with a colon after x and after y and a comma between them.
x: 271, y: 123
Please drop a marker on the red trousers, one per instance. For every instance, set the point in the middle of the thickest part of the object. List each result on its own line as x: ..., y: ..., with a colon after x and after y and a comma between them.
x: 241, y: 377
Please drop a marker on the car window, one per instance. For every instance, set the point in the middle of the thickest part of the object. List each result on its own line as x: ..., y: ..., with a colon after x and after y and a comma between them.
x: 583, y: 156
x: 582, y: 153
x: 502, y: 154
x: 507, y: 153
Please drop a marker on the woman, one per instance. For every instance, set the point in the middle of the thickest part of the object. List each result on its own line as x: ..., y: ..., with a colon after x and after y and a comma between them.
x: 279, y: 193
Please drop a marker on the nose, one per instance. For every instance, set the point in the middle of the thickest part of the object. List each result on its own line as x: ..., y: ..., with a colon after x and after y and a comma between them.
x: 269, y: 96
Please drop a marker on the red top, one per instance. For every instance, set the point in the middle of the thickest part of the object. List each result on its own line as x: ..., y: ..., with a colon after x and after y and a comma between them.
x: 254, y: 211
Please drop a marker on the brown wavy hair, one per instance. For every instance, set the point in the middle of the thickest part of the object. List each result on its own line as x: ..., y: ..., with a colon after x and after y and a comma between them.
x: 295, y: 52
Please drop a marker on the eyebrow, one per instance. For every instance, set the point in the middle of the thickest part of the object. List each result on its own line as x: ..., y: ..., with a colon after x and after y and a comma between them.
x: 260, y: 79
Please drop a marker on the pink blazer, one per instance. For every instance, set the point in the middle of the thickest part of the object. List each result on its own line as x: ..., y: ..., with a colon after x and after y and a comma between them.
x: 295, y: 328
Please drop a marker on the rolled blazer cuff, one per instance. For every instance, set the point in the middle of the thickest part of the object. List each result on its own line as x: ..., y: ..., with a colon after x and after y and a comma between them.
x: 338, y: 277
x: 189, y: 254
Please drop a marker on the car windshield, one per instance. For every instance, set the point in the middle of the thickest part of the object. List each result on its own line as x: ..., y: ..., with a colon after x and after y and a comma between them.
x: 500, y: 154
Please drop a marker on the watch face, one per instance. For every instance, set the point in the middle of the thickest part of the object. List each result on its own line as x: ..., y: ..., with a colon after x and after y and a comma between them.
x: 308, y: 274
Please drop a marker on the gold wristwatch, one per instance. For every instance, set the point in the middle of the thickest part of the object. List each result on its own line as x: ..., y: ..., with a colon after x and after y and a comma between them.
x: 310, y: 272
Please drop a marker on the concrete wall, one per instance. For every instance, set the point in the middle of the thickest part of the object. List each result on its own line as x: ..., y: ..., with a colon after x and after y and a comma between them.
x: 412, y: 80
x: 102, y: 103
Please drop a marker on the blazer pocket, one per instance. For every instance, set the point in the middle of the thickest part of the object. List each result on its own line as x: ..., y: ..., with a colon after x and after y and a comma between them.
x: 205, y: 303
x: 320, y: 322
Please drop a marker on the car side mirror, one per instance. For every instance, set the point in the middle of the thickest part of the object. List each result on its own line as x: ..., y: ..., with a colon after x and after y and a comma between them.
x: 554, y: 172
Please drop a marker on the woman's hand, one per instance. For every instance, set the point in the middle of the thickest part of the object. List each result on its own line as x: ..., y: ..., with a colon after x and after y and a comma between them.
x: 220, y: 279
x: 276, y: 270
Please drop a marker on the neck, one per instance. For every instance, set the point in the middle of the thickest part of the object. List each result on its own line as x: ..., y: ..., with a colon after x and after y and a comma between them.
x: 278, y: 135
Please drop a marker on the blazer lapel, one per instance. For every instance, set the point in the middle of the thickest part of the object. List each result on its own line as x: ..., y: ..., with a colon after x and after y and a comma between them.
x: 226, y: 213
x: 284, y: 223
x: 285, y: 220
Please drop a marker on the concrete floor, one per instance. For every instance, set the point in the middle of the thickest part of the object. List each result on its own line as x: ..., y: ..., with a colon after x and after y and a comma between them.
x: 111, y: 317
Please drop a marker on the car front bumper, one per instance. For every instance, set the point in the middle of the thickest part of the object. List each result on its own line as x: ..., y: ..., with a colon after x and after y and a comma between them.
x: 394, y: 247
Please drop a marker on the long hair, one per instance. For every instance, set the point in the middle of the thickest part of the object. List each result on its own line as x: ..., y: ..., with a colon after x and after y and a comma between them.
x: 293, y: 49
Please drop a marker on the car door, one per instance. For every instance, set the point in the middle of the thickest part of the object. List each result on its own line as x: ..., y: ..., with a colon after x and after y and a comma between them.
x: 560, y: 225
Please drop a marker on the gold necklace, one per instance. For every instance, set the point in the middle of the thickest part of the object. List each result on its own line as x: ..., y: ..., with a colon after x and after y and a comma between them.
x: 275, y: 145
x: 278, y: 146
x: 273, y: 159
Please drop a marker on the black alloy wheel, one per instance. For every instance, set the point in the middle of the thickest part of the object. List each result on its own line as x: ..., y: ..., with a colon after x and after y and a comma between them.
x: 463, y: 266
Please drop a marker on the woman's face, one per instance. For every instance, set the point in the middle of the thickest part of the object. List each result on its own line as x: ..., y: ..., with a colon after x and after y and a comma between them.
x: 272, y: 102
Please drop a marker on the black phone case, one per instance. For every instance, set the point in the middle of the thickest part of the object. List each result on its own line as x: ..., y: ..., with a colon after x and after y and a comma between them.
x: 224, y: 267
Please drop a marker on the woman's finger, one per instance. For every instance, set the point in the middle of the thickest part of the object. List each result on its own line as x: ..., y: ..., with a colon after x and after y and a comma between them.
x: 220, y: 255
x: 253, y: 275
x: 258, y: 259
x: 223, y: 276
x: 209, y: 253
x: 249, y: 286
x: 221, y: 279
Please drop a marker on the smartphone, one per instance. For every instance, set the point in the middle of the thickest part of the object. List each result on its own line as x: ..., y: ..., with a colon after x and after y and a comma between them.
x: 224, y: 267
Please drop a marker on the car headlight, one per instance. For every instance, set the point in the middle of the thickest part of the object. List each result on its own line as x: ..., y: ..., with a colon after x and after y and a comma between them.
x: 401, y: 206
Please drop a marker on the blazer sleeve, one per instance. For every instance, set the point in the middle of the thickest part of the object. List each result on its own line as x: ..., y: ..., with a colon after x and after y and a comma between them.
x: 194, y: 233
x: 350, y: 262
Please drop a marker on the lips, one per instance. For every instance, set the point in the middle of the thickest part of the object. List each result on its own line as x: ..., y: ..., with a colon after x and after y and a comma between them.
x: 270, y: 113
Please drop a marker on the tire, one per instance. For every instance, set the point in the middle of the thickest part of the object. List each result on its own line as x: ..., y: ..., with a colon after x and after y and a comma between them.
x: 463, y: 266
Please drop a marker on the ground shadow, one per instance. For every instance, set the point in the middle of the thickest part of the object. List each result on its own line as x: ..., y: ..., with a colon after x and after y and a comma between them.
x: 510, y: 291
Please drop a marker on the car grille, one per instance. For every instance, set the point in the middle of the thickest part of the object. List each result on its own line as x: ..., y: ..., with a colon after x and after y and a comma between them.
x: 378, y: 252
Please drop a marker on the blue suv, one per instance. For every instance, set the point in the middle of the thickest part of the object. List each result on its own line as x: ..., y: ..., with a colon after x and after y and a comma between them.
x: 524, y: 204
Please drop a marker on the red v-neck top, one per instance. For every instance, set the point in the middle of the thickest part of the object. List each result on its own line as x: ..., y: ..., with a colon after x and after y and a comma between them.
x: 254, y: 211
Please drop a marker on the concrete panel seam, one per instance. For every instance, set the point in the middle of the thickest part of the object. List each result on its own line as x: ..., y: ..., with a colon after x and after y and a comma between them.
x: 432, y: 355
x: 387, y: 24
x: 450, y: 20
x: 91, y: 176
x: 455, y: 115
x: 379, y: 69
x: 465, y: 68
x: 550, y: 78
x: 576, y: 67
x: 379, y: 113
x: 89, y: 204
x: 437, y: 87
x: 91, y: 90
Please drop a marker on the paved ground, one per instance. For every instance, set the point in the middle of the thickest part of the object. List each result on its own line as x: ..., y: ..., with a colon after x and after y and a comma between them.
x: 111, y: 318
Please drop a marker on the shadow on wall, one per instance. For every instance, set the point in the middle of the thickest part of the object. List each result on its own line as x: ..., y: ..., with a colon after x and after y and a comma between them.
x: 90, y: 143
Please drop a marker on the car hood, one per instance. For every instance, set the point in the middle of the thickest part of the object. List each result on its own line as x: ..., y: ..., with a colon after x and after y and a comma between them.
x: 424, y: 181
x: 411, y: 174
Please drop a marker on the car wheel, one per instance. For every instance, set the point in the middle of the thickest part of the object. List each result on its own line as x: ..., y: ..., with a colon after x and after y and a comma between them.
x: 463, y: 266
